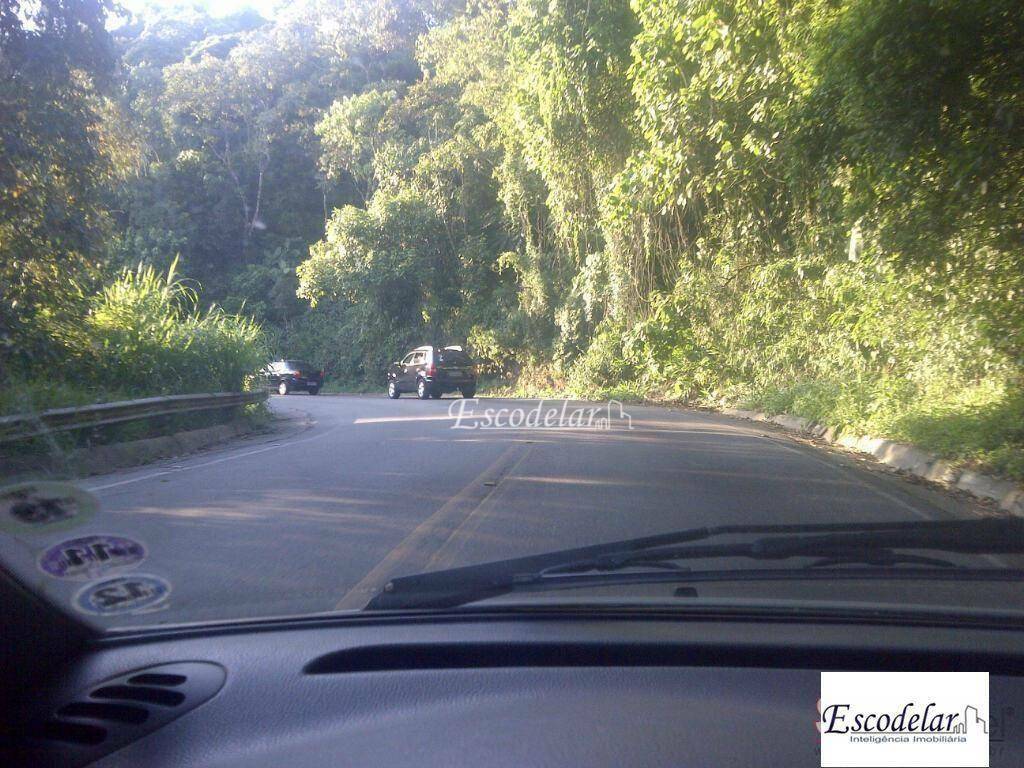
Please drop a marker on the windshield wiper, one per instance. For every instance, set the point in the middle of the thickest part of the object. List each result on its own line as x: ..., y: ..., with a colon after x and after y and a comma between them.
x: 832, y: 547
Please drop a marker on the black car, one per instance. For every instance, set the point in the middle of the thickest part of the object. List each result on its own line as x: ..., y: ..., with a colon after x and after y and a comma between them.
x: 293, y: 376
x: 431, y: 372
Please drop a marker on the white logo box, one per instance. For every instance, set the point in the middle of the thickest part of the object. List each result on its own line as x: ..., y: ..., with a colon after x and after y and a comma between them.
x: 897, y: 719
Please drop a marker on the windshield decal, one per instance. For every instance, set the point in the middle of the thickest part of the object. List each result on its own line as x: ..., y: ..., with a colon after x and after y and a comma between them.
x: 37, y: 507
x: 91, y: 557
x: 135, y: 593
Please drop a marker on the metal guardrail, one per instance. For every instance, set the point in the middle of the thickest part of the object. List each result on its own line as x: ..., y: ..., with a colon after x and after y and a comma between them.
x: 21, y: 426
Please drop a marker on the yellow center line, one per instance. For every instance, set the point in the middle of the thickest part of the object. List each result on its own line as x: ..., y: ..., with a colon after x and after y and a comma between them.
x: 446, y: 555
x: 415, y: 551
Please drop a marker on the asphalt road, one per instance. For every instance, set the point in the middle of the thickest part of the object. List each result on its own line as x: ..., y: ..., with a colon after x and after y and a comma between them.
x: 352, y: 490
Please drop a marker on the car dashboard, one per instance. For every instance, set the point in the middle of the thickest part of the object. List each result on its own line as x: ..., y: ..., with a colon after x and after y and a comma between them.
x: 485, y: 687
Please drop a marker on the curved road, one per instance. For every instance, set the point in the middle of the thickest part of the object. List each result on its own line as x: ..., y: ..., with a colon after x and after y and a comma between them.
x: 355, y: 489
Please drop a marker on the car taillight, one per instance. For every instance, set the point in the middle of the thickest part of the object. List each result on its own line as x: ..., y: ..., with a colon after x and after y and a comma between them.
x: 323, y: 374
x: 432, y: 370
x: 297, y: 374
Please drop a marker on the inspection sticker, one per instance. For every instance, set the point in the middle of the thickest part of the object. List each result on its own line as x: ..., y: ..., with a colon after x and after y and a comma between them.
x: 133, y: 593
x: 38, y: 506
x: 91, y: 557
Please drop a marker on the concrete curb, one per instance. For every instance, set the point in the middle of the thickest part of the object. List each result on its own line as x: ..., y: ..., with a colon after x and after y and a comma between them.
x: 106, y: 458
x: 1006, y: 493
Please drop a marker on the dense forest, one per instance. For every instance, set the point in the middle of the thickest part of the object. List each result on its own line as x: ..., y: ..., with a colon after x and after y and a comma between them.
x: 810, y: 206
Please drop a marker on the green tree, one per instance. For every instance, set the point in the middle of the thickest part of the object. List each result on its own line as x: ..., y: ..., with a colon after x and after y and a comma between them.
x: 56, y: 64
x: 351, y: 134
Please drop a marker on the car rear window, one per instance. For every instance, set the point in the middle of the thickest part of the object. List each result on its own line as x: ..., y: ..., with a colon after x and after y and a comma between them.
x: 455, y: 357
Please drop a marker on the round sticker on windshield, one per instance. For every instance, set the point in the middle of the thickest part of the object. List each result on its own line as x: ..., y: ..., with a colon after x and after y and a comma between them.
x: 91, y: 557
x: 134, y: 593
x: 44, y: 506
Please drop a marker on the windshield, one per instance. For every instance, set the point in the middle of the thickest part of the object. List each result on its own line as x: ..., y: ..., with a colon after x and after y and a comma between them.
x: 708, y: 271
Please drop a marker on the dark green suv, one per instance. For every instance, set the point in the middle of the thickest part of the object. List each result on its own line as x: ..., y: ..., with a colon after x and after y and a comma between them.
x: 431, y: 372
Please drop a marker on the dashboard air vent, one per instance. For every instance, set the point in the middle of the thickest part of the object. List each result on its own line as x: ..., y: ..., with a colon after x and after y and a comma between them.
x: 119, y: 710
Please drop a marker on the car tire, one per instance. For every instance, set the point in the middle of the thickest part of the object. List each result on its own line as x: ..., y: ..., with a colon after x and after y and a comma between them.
x: 468, y: 391
x: 393, y: 391
x: 282, y: 388
x: 314, y: 390
x: 422, y: 389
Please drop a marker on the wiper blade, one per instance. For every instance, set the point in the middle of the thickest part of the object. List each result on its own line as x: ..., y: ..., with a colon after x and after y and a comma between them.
x: 873, y: 548
x: 833, y: 542
x: 881, y: 557
x: 803, y: 573
x: 885, y: 557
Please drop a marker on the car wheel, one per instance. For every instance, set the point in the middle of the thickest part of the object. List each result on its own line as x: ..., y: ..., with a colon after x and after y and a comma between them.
x: 282, y: 388
x: 422, y: 390
x: 393, y: 392
x: 468, y: 391
x: 314, y: 390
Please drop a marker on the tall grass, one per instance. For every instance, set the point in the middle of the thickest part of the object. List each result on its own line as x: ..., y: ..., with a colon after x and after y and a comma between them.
x: 147, y: 333
x: 143, y: 334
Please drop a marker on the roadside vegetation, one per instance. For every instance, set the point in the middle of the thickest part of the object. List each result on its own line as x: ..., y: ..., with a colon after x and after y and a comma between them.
x: 143, y: 334
x: 810, y: 206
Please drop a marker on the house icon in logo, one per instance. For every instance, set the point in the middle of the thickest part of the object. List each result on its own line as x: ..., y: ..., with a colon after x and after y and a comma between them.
x: 622, y: 416
x: 971, y: 719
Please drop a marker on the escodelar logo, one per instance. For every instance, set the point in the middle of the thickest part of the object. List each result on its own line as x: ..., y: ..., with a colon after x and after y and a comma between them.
x: 910, y: 720
x: 903, y: 719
